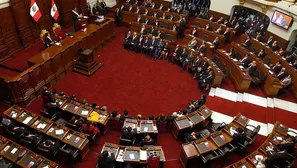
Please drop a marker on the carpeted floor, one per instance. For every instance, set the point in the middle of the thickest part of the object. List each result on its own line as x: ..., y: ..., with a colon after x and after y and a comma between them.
x: 144, y: 86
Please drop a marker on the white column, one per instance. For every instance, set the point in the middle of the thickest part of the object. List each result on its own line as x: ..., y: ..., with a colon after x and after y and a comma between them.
x: 4, y: 3
x: 109, y: 3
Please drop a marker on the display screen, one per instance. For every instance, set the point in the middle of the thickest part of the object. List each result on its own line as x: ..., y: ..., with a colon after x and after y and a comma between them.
x: 282, y: 19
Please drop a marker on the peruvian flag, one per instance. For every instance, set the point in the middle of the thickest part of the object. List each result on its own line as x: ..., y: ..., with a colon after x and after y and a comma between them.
x: 34, y: 11
x: 54, y: 11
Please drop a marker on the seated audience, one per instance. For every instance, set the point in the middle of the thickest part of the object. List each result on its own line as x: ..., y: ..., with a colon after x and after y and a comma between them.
x: 274, y: 47
x: 49, y: 145
x: 208, y: 27
x: 205, y: 81
x: 275, y: 157
x: 216, y: 42
x: 252, y: 69
x: 287, y: 81
x: 173, y: 55
x: 189, y: 59
x: 165, y: 51
x: 192, y: 44
x: 277, y: 67
x: 221, y: 20
x: 282, y: 74
x: 269, y: 42
x: 247, y: 43
x: 239, y: 136
x: 219, y: 30
x: 128, y: 39
x: 194, y: 32
x: 245, y: 61
x: 227, y: 35
x: 261, y: 54
x: 287, y: 144
x: 192, y: 136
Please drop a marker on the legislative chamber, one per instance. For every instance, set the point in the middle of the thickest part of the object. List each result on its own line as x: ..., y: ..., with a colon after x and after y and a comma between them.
x: 148, y: 83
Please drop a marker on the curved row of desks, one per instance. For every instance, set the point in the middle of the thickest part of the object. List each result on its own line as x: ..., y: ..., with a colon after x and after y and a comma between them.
x: 49, y: 128
x: 192, y: 150
x: 52, y: 64
x: 279, y: 130
x: 198, y: 117
x: 209, y: 36
x: 271, y: 84
x: 274, y: 59
x: 22, y: 156
x: 203, y: 22
x: 133, y: 154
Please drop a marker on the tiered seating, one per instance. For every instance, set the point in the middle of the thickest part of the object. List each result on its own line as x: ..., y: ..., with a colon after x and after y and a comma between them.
x: 274, y: 58
x: 22, y: 156
x: 72, y: 142
x: 279, y: 132
x: 271, y: 84
x: 218, y: 144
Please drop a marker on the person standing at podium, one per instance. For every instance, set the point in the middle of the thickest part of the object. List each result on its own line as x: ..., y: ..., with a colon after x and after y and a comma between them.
x: 75, y: 16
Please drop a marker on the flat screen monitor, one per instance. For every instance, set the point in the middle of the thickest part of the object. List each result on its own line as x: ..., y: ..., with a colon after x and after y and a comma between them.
x: 281, y: 19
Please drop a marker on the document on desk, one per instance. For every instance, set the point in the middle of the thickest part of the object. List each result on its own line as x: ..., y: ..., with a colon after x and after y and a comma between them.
x: 14, y: 150
x: 14, y: 114
x: 241, y: 67
x: 143, y: 155
x: 43, y: 126
x: 27, y: 120
x: 145, y: 129
x: 84, y: 112
x: 45, y: 166
x: 39, y: 125
x: 120, y: 157
x: 132, y: 157
x: 59, y: 132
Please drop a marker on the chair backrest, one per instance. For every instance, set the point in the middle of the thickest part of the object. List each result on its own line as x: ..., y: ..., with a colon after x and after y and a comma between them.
x: 256, y: 130
x: 262, y: 76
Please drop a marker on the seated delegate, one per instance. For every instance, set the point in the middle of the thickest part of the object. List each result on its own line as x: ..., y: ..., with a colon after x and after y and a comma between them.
x: 106, y: 161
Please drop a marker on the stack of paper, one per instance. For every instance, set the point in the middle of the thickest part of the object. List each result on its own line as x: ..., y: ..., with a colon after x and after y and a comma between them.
x: 14, y: 150
x: 27, y: 120
x: 132, y: 157
x: 143, y: 155
x: 84, y: 112
x: 59, y: 132
x: 120, y: 157
x: 14, y: 115
x: 145, y: 129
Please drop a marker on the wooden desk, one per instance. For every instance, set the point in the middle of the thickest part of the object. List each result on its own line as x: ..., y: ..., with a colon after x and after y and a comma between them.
x: 124, y: 153
x: 59, y: 132
x: 272, y: 83
x: 142, y: 126
x: 11, y: 151
x: 192, y: 150
x: 86, y: 112
x: 239, y: 76
x: 209, y: 36
x: 52, y: 64
x: 215, y: 26
x: 197, y: 117
x: 250, y: 161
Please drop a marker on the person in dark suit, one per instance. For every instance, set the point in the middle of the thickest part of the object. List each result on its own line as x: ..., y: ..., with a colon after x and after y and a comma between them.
x: 118, y: 17
x: 202, y: 49
x: 147, y: 141
x: 53, y: 107
x: 221, y: 20
x: 153, y: 32
x: 165, y: 51
x: 156, y: 23
x: 261, y: 54
x: 138, y: 11
x: 192, y: 136
x: 188, y: 61
x: 245, y: 61
x: 269, y: 41
x: 208, y: 27
x: 219, y: 30
x: 227, y: 23
x: 227, y: 35
x: 287, y: 144
x: 105, y: 161
x: 48, y: 40
x: 159, y: 48
x: 275, y: 157
x: 193, y: 32
x: 172, y: 56
x: 252, y: 69
x: 204, y: 83
x: 152, y: 46
x: 139, y: 19
x: 134, y: 41
x: 139, y: 44
x: 182, y: 27
x: 193, y: 67
x: 49, y: 145
x: 216, y: 42
x: 247, y: 43
x: 128, y: 39
x: 181, y: 57
x: 104, y: 7
x: 75, y: 16
x: 146, y: 22
x: 33, y: 138
x: 277, y: 67
x: 145, y: 46
x: 18, y: 130
x: 129, y: 133
x: 126, y: 115
x: 274, y: 46
x: 239, y: 136
x: 282, y: 74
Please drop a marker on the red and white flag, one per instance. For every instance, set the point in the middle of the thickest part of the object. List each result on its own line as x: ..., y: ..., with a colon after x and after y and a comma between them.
x: 54, y: 11
x: 34, y: 11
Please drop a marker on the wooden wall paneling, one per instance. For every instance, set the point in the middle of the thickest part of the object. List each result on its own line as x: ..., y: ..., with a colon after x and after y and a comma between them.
x: 65, y: 7
x: 17, y: 95
x: 26, y: 87
x: 23, y: 21
x: 57, y: 65
x: 83, y: 7
x: 5, y: 90
x: 37, y: 78
x: 9, y: 30
x: 47, y: 72
x: 4, y: 52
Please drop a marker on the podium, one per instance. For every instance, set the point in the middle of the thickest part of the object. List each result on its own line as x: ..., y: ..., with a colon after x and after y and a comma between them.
x: 86, y: 64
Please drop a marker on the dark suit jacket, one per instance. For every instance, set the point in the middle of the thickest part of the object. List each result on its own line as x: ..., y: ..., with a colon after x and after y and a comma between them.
x: 128, y: 135
x: 283, y: 75
x: 106, y: 163
x: 75, y: 16
x: 239, y: 138
x: 227, y: 36
x: 289, y: 147
x: 252, y: 70
x: 47, y: 42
